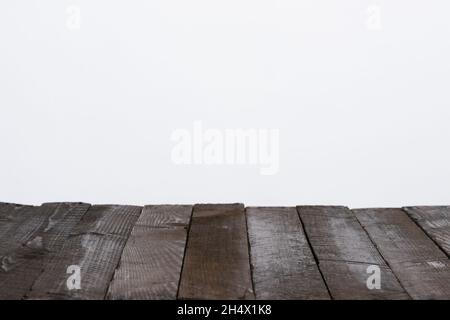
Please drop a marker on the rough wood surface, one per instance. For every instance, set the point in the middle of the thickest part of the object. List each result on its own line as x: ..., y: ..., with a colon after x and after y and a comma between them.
x: 17, y: 225
x: 282, y: 261
x: 29, y: 259
x: 217, y: 264
x: 223, y: 252
x: 95, y: 245
x: 151, y: 262
x: 345, y: 252
x: 422, y: 268
x: 435, y: 221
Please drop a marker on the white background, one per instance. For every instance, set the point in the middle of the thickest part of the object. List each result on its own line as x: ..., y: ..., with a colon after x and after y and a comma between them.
x: 87, y: 115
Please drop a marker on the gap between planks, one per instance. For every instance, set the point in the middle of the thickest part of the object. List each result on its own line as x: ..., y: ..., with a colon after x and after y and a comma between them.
x: 433, y: 223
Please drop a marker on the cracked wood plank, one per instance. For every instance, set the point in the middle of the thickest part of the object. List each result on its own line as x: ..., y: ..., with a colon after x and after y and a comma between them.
x: 217, y: 263
x: 344, y: 252
x: 435, y: 221
x: 422, y: 268
x: 31, y: 258
x: 151, y: 262
x: 95, y: 245
x: 282, y: 262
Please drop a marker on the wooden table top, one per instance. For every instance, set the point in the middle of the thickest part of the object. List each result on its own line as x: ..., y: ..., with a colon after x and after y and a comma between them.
x: 223, y: 251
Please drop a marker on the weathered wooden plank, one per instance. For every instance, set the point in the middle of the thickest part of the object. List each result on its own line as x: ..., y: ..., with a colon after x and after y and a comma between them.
x: 345, y: 252
x: 151, y: 262
x: 282, y: 262
x: 95, y: 245
x: 422, y: 268
x: 435, y: 221
x: 17, y: 225
x: 217, y: 263
x: 29, y: 259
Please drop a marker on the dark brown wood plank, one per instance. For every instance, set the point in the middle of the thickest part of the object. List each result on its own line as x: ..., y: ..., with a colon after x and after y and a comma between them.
x: 282, y: 262
x: 422, y: 268
x: 345, y: 252
x: 29, y: 259
x: 17, y: 225
x: 151, y: 262
x: 435, y: 221
x: 217, y: 264
x: 95, y: 245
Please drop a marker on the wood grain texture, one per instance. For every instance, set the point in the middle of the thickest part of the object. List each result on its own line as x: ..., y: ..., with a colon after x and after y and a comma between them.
x: 150, y: 266
x: 17, y: 225
x: 422, y: 268
x: 345, y: 252
x: 282, y: 261
x: 435, y: 221
x: 29, y: 259
x: 217, y: 263
x: 95, y: 245
x: 159, y: 252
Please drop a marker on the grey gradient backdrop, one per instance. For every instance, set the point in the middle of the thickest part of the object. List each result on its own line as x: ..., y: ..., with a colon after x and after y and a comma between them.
x: 363, y: 114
